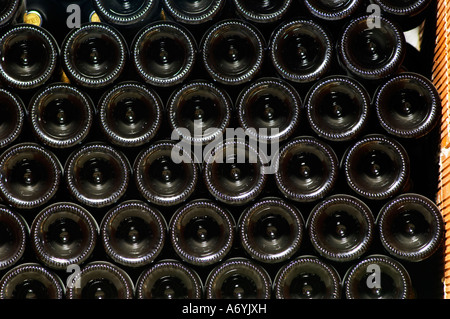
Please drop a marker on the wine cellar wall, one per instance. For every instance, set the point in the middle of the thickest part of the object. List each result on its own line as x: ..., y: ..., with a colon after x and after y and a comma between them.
x: 440, y: 77
x: 119, y: 179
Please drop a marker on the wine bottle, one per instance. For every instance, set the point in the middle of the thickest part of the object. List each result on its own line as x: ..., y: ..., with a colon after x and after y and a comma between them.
x: 199, y: 112
x: 131, y: 114
x: 202, y: 232
x: 61, y: 115
x: 371, y: 52
x: 30, y: 57
x: 127, y: 15
x: 12, y: 12
x: 164, y: 53
x: 333, y: 10
x: 169, y: 279
x: 409, y: 14
x: 301, y: 50
x: 271, y: 230
x: 100, y: 280
x: 378, y: 277
x: 341, y: 228
x: 94, y: 55
x: 238, y: 278
x: 30, y: 175
x: 13, y: 117
x: 14, y: 233
x: 376, y: 167
x: 410, y: 7
x: 408, y: 105
x: 63, y: 234
x: 232, y: 52
x: 269, y: 108
x: 338, y: 108
x: 307, y: 277
x: 262, y: 11
x: 133, y: 233
x: 193, y: 12
x: 165, y: 174
x: 97, y: 175
x: 411, y: 227
x: 234, y: 172
x: 31, y: 281
x: 307, y: 169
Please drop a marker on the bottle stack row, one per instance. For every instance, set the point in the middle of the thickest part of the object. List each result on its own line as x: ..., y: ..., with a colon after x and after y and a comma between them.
x: 222, y: 149
x: 203, y: 251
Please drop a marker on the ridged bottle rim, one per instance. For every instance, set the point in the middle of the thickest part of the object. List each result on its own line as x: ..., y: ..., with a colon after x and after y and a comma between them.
x: 259, y: 17
x: 234, y: 264
x: 183, y: 34
x: 239, y: 198
x: 320, y: 70
x: 366, y: 215
x: 290, y: 93
x: 329, y: 154
x: 251, y: 31
x: 86, y: 150
x: 298, y: 262
x: 9, y: 12
x: 411, y: 9
x: 38, y: 238
x: 333, y: 15
x: 24, y: 230
x: 298, y: 228
x: 21, y: 115
x: 426, y: 250
x: 106, y: 233
x: 73, y: 292
x: 31, y: 267
x: 179, y: 266
x: 53, y: 56
x: 153, y: 196
x: 52, y: 160
x: 174, y: 98
x: 104, y: 108
x: 35, y: 116
x: 212, y: 257
x: 379, y: 72
x: 393, y: 144
x: 144, y: 12
x: 87, y: 81
x: 194, y: 18
x: 406, y: 288
x: 365, y: 108
x: 432, y: 116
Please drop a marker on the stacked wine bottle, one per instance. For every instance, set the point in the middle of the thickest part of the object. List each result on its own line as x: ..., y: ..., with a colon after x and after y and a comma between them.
x: 119, y: 179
